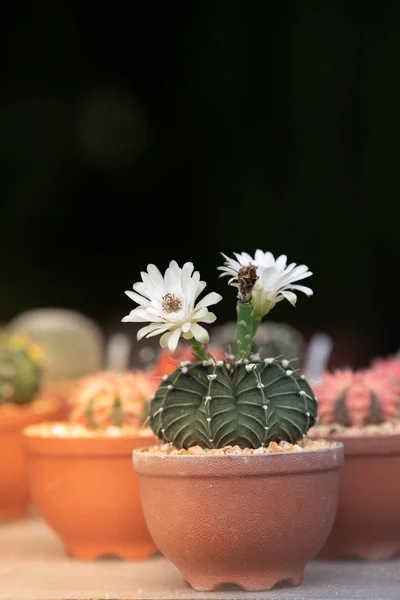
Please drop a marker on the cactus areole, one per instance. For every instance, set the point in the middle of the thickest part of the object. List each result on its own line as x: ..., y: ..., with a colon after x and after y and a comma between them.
x: 240, y: 400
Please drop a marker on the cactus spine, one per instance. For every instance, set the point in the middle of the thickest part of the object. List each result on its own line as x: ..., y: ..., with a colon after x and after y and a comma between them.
x: 20, y: 370
x: 214, y: 404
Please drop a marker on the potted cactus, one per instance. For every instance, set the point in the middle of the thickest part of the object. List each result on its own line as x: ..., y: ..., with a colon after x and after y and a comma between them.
x: 21, y: 403
x: 362, y: 410
x: 80, y: 473
x: 236, y: 493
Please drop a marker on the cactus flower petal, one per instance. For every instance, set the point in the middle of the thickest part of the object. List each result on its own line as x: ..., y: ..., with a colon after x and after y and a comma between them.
x: 138, y: 298
x: 200, y: 334
x: 174, y: 339
x: 200, y: 287
x: 145, y: 331
x: 290, y: 296
x: 164, y: 339
x: 211, y: 298
x: 302, y: 288
x: 208, y: 318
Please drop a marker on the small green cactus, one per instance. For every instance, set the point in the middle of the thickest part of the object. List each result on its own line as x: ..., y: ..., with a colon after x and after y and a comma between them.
x: 20, y: 370
x: 232, y: 402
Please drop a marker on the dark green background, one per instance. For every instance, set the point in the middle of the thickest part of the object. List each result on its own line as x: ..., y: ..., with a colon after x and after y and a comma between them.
x: 138, y: 132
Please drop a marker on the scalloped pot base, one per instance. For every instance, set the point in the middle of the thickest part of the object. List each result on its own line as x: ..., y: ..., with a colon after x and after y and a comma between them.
x: 254, y: 521
x: 14, y: 496
x: 252, y: 582
x: 367, y: 523
x: 86, y: 491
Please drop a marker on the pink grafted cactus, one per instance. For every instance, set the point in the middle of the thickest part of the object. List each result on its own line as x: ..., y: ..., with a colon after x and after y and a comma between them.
x: 389, y: 368
x: 356, y: 398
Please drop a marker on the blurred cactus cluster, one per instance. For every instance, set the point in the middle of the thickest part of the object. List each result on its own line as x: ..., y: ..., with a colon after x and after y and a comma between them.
x: 112, y: 399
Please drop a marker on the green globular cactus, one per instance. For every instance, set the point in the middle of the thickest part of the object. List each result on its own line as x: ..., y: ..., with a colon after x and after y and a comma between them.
x: 20, y: 370
x: 232, y: 402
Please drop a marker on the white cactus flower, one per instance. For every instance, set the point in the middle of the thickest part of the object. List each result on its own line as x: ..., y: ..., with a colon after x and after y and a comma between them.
x: 275, y: 278
x: 168, y: 304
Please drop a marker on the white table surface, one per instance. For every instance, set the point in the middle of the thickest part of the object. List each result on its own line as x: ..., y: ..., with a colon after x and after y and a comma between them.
x: 33, y: 566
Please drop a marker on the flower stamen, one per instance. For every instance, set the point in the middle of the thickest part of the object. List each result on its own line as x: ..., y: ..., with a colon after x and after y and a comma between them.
x: 170, y: 303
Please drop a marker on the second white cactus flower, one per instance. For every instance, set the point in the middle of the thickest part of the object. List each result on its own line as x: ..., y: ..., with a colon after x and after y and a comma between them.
x: 168, y: 303
x: 275, y: 278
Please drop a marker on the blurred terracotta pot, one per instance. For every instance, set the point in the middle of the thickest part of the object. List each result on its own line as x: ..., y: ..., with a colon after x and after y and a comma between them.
x: 86, y: 491
x: 367, y: 523
x: 14, y: 496
x: 254, y: 521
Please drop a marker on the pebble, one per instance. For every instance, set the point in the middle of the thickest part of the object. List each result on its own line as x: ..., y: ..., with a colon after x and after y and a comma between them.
x: 196, y: 450
x: 274, y: 447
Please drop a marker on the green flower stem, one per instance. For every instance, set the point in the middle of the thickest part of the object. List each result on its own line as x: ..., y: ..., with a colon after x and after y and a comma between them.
x: 199, y: 349
x: 247, y: 324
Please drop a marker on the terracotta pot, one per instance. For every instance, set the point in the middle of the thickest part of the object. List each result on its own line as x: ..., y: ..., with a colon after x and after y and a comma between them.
x: 367, y: 523
x: 254, y: 521
x: 86, y: 491
x: 14, y: 496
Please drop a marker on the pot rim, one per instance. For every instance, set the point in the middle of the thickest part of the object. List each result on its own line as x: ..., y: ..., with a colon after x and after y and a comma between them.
x: 226, y: 465
x: 81, y: 447
x: 24, y: 415
x: 369, y: 445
